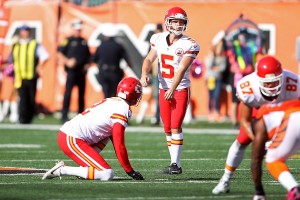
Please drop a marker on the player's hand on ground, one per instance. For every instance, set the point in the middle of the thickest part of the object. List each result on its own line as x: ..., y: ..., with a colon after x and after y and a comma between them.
x: 135, y: 175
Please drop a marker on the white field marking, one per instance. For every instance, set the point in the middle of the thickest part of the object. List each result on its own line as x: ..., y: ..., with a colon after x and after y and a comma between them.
x: 23, y: 151
x: 20, y: 146
x: 129, y: 181
x: 25, y: 174
x: 133, y: 159
x: 112, y: 151
x: 129, y: 129
x: 112, y: 159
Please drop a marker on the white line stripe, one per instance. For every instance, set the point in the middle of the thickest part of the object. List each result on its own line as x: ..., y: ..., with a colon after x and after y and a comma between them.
x: 129, y: 129
x: 20, y: 146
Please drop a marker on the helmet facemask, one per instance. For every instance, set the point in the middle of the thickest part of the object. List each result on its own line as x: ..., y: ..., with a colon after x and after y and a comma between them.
x: 270, y: 86
x: 179, y: 29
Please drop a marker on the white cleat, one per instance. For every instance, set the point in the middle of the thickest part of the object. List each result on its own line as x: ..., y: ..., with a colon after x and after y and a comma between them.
x: 222, y: 187
x: 54, y: 172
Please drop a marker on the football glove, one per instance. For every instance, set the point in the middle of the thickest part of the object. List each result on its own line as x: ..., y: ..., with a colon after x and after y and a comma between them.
x: 135, y: 175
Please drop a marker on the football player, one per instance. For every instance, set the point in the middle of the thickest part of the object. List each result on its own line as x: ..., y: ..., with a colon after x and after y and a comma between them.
x: 83, y: 137
x: 280, y: 123
x: 175, y: 53
x: 268, y: 84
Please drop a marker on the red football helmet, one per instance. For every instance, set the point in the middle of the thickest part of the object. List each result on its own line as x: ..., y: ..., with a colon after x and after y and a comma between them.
x: 131, y: 90
x: 269, y: 72
x: 176, y: 13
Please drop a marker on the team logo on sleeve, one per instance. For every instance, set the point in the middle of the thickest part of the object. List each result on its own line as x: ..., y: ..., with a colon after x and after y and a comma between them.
x: 179, y: 52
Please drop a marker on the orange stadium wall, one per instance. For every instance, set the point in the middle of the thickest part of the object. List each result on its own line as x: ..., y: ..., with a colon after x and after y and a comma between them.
x: 135, y: 18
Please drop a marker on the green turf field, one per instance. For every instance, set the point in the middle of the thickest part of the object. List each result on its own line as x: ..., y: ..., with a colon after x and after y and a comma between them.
x: 203, y: 159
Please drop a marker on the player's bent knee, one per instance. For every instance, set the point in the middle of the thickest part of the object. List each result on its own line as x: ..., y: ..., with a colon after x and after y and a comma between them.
x: 104, y: 175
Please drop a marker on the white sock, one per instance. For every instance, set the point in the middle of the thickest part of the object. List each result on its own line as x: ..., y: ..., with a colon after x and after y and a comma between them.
x: 14, y: 116
x: 176, y: 148
x: 235, y: 155
x: 74, y: 171
x: 5, y: 108
x: 104, y: 175
x: 287, y: 180
x: 88, y: 173
x: 227, y: 174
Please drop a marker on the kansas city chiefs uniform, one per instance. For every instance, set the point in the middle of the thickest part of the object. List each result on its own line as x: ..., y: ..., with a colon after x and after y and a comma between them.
x: 248, y: 89
x: 95, y: 123
x: 170, y: 55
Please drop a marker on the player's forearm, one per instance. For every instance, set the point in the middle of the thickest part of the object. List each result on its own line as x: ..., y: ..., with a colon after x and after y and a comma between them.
x: 177, y: 79
x: 123, y: 158
x: 256, y: 166
x: 146, y: 67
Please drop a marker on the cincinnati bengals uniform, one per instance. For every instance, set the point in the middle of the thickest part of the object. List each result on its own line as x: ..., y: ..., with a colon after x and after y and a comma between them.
x: 281, y: 122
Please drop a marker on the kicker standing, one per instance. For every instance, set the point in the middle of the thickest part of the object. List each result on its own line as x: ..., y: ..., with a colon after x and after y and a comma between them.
x: 175, y: 53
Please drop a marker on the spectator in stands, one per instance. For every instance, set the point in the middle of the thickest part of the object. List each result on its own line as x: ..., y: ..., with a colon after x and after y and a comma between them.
x: 215, y: 64
x: 240, y: 59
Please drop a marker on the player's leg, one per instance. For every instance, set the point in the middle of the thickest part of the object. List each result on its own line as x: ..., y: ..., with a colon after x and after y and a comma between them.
x: 101, y: 145
x: 92, y: 165
x: 282, y: 147
x: 234, y: 158
x: 165, y: 114
x: 179, y: 107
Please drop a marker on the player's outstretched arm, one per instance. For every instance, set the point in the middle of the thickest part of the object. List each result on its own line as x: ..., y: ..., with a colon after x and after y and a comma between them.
x: 118, y: 140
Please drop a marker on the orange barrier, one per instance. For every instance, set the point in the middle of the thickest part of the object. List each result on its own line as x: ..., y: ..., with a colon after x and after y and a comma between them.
x: 135, y: 19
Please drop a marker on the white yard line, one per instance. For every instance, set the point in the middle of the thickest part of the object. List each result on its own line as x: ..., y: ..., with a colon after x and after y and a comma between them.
x: 129, y: 129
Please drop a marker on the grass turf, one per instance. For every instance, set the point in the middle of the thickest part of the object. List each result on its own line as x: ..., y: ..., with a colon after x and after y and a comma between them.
x: 203, y: 160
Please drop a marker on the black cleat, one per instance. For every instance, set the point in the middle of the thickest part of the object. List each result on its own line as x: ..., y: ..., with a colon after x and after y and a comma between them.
x: 172, y: 169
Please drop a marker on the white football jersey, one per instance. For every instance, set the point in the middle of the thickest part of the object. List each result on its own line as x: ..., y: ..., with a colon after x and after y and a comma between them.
x: 95, y: 123
x: 169, y: 57
x: 248, y: 89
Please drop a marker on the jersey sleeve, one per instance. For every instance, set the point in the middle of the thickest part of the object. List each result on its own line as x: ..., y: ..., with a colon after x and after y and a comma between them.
x: 153, y: 40
x: 245, y: 91
x: 193, y: 48
x: 118, y: 140
x: 121, y: 114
